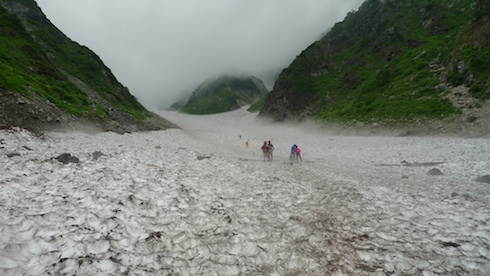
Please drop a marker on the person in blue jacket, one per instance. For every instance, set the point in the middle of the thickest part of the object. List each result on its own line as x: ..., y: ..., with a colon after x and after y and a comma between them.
x: 292, y: 156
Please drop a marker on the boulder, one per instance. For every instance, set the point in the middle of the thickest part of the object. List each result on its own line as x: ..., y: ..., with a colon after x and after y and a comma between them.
x: 11, y: 154
x: 434, y: 171
x: 96, y: 155
x: 484, y: 179
x: 66, y: 158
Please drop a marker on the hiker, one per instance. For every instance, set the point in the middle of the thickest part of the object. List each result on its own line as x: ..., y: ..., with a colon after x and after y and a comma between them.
x: 292, y: 156
x: 265, y: 150
x: 271, y: 149
x: 246, y: 144
x: 297, y: 151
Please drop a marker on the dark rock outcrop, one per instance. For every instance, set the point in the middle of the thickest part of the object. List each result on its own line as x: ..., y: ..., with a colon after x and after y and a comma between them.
x: 483, y: 179
x: 66, y: 158
x: 434, y: 171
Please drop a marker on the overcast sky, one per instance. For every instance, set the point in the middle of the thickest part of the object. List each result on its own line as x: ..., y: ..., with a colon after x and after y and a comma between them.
x: 162, y: 49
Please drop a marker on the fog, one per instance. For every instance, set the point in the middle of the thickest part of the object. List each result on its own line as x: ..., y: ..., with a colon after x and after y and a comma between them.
x: 161, y: 50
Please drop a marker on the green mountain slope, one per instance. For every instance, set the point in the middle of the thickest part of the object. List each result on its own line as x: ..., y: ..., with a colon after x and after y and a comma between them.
x: 224, y: 94
x: 391, y: 61
x: 37, y: 61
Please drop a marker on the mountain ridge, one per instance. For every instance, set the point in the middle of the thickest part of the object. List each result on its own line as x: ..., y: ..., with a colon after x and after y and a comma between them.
x: 392, y: 62
x: 52, y: 82
x: 224, y: 93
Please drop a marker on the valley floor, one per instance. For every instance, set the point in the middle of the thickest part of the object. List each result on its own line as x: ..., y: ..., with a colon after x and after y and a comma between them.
x: 197, y: 201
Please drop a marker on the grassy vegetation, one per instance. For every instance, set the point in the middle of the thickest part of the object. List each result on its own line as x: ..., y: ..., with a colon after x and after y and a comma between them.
x: 224, y: 94
x: 25, y: 67
x: 255, y: 107
x: 375, y: 65
x: 221, y: 100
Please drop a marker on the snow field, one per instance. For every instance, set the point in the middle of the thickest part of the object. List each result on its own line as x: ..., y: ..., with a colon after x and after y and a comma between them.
x: 196, y: 201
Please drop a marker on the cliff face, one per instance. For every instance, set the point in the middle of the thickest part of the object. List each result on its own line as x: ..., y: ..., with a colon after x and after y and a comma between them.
x: 391, y: 61
x: 49, y: 81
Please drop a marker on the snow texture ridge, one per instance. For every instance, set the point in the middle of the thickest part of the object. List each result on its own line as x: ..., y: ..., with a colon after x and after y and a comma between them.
x: 196, y: 201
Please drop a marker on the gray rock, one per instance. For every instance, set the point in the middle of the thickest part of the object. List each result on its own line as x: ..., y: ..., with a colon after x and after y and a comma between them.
x: 440, y: 87
x: 484, y: 179
x: 202, y: 157
x: 471, y: 119
x: 96, y: 155
x: 11, y: 154
x: 66, y: 158
x: 450, y: 244
x: 434, y: 171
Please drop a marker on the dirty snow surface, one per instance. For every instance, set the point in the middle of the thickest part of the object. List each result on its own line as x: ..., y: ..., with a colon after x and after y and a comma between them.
x: 196, y: 201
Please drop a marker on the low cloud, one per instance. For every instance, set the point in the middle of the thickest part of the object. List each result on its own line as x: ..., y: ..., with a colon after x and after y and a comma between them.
x: 163, y: 49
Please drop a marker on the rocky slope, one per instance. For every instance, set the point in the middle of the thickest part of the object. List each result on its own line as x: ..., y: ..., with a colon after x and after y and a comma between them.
x: 404, y: 63
x: 47, y: 81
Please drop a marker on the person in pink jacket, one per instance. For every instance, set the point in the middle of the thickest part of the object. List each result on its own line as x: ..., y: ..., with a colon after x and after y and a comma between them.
x: 265, y: 150
x: 297, y: 151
